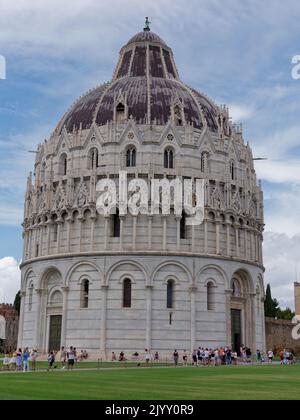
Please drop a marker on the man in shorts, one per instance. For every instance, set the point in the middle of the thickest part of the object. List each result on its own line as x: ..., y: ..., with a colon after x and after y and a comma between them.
x: 71, y: 358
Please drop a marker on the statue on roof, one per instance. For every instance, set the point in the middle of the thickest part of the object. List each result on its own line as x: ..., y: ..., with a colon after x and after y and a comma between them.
x: 147, y: 24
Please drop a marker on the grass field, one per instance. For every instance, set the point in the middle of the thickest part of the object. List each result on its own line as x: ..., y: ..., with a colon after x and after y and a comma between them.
x: 261, y: 382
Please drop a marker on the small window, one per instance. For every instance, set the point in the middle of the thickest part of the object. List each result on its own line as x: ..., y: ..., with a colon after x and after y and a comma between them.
x: 94, y: 159
x: 55, y: 232
x: 116, y: 225
x: 210, y: 296
x: 63, y: 165
x: 120, y: 111
x: 170, y: 294
x: 178, y: 119
x: 232, y: 171
x: 127, y: 290
x: 169, y: 159
x: 85, y: 289
x: 37, y: 250
x: 131, y: 157
x: 183, y: 226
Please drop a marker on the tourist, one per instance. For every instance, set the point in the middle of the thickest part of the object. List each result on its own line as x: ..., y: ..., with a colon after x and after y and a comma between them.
x: 71, y: 358
x: 185, y: 358
x: 156, y: 357
x: 147, y: 357
x: 122, y: 357
x: 51, y: 361
x: 234, y: 356
x: 248, y: 355
x: 199, y: 356
x: 25, y: 357
x: 63, y: 358
x: 13, y: 362
x: 6, y: 362
x: 175, y: 357
x: 195, y: 358
x: 258, y: 356
x: 113, y: 357
x: 19, y: 360
x: 33, y: 358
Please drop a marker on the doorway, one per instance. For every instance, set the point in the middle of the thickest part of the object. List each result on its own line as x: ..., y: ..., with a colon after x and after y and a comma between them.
x: 236, y: 330
x: 55, y: 333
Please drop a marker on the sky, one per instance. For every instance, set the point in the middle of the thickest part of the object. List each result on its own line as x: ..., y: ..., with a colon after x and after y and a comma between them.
x: 237, y: 52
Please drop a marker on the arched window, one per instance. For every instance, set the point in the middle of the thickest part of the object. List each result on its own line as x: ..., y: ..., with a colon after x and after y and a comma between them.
x: 120, y: 113
x: 94, y: 158
x: 30, y: 297
x: 63, y: 165
x: 204, y: 162
x: 85, y: 289
x: 169, y: 158
x: 127, y: 291
x: 232, y: 171
x: 116, y: 225
x: 210, y: 296
x: 170, y: 294
x: 183, y: 226
x: 178, y: 117
x: 131, y: 157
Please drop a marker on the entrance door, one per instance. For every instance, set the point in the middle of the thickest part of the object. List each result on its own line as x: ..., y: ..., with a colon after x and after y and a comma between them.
x: 55, y: 333
x: 236, y: 329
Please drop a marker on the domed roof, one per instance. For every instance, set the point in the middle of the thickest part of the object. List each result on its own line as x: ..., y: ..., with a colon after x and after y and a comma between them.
x: 146, y: 82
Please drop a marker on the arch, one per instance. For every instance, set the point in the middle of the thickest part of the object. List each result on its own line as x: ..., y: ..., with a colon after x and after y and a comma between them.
x: 74, y: 268
x: 245, y: 279
x: 120, y: 263
x: 55, y: 297
x: 120, y: 113
x: 46, y: 274
x: 84, y: 292
x: 211, y: 295
x: 25, y: 278
x: 218, y: 269
x: 176, y: 263
x: 93, y: 158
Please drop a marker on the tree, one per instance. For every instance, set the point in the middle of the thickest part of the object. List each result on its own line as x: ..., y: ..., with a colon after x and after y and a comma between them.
x: 17, y: 302
x: 271, y: 305
x: 286, y: 314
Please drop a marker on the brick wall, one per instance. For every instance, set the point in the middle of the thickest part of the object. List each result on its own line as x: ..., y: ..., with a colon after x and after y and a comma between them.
x: 279, y: 336
x: 12, y: 323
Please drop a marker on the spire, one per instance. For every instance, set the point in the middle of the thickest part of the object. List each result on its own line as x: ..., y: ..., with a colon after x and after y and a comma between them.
x: 147, y: 25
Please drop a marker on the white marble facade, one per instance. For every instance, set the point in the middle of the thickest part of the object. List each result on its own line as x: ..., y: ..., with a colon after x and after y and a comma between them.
x: 75, y: 263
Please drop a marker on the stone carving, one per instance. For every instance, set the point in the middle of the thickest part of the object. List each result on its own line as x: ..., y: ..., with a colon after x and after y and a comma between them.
x: 81, y: 196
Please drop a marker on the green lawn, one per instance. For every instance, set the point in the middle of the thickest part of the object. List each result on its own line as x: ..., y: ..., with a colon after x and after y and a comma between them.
x: 262, y: 382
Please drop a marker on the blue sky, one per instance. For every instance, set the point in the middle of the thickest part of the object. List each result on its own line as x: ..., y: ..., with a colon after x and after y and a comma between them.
x: 237, y: 52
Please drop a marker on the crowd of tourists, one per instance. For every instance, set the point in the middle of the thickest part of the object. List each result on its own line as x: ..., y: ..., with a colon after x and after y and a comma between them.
x: 25, y: 360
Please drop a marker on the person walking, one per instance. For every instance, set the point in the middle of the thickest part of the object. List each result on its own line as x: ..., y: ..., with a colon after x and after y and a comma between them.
x: 51, y: 361
x: 25, y: 357
x: 63, y: 358
x: 71, y: 358
x: 175, y: 357
x: 33, y: 358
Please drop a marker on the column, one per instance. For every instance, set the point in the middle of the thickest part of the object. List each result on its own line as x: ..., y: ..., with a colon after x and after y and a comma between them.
x: 218, y: 225
x: 236, y: 228
x: 193, y: 237
x: 80, y: 219
x: 59, y: 226
x: 122, y: 220
x: 164, y: 244
x: 104, y: 290
x: 69, y: 224
x: 193, y: 291
x: 245, y: 244
x: 228, y: 317
x: 228, y: 226
x: 251, y: 324
x: 64, y: 316
x: 149, y: 316
x: 205, y: 237
x: 178, y: 220
x: 92, y: 240
x: 134, y: 232
x: 49, y: 224
x: 106, y: 231
x: 150, y: 218
x: 21, y: 320
x: 38, y: 329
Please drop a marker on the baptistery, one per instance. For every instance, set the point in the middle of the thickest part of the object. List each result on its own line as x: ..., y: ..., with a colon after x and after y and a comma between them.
x: 113, y: 282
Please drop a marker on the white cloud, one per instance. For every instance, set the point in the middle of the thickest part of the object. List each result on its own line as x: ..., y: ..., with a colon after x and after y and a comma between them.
x: 240, y: 113
x: 10, y: 279
x: 281, y: 254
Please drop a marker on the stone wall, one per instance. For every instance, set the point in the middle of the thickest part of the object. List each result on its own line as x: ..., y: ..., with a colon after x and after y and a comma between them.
x: 279, y: 336
x: 11, y: 329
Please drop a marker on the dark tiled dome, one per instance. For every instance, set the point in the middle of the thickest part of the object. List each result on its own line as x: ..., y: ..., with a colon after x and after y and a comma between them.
x: 147, y: 79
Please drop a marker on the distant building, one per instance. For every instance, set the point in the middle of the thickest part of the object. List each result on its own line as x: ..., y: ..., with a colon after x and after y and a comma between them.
x: 133, y: 282
x: 9, y: 322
